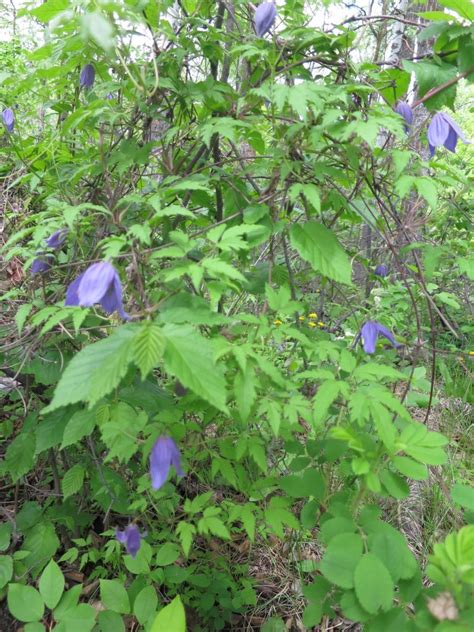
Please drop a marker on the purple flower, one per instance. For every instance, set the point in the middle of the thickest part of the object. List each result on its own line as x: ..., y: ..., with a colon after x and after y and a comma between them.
x: 100, y: 283
x: 57, y: 239
x: 131, y: 537
x: 42, y: 263
x: 444, y: 131
x: 406, y: 112
x: 369, y: 333
x: 164, y: 453
x: 8, y: 119
x: 86, y: 79
x: 264, y: 17
x: 381, y: 270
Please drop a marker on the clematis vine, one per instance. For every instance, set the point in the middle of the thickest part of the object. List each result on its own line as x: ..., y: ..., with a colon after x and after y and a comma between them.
x: 44, y: 260
x: 265, y: 15
x: 406, y: 112
x: 8, y: 119
x: 87, y: 76
x: 100, y: 283
x: 131, y: 538
x: 381, y: 270
x: 164, y: 454
x: 444, y: 131
x: 370, y: 331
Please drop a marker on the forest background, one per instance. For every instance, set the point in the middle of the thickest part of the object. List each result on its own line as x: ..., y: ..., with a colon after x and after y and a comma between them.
x: 236, y: 318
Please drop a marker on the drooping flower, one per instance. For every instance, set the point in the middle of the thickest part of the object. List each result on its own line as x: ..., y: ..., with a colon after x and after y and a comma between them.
x: 264, y: 17
x: 444, y: 131
x: 8, y: 119
x: 406, y: 112
x: 370, y: 331
x: 131, y: 537
x: 100, y: 283
x: 381, y: 270
x: 87, y: 76
x: 57, y: 239
x: 164, y: 454
x: 42, y: 263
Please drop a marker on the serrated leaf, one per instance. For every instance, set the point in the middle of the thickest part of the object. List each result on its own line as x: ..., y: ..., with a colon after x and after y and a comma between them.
x: 341, y: 558
x: 121, y: 430
x: 95, y: 370
x: 373, y: 584
x: 19, y: 458
x: 80, y: 425
x: 318, y: 245
x: 186, y: 532
x: 188, y: 356
x: 148, y: 347
x: 145, y: 604
x: 73, y: 480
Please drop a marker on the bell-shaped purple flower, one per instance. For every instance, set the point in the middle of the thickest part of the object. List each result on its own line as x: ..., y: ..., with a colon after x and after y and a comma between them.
x: 100, y: 283
x: 164, y: 454
x: 370, y: 331
x: 264, y: 17
x: 444, y: 131
x: 381, y: 270
x: 406, y: 112
x: 131, y: 537
x: 87, y: 76
x: 42, y: 263
x: 57, y: 239
x: 8, y: 119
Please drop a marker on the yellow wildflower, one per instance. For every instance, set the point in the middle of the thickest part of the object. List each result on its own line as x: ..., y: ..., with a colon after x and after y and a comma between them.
x: 302, y: 318
x: 312, y: 324
x: 471, y: 353
x: 313, y: 315
x: 321, y: 324
x: 277, y: 322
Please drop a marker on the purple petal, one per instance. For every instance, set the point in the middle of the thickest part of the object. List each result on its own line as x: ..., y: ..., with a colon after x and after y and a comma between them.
x: 432, y: 150
x: 369, y: 333
x: 121, y: 536
x: 87, y: 77
x: 95, y: 283
x: 381, y: 270
x: 131, y: 537
x: 164, y: 453
x: 57, y: 239
x: 455, y: 127
x: 406, y: 112
x: 386, y: 333
x: 264, y: 17
x: 72, y: 299
x: 451, y: 141
x: 438, y: 130
x: 8, y: 119
x: 41, y: 264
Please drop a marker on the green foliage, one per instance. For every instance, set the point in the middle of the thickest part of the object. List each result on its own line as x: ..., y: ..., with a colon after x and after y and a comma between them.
x: 244, y: 190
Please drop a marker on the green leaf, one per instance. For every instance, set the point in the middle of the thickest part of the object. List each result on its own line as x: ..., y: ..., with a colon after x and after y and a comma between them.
x: 22, y: 314
x: 6, y: 569
x: 110, y: 621
x: 463, y: 495
x: 100, y: 30
x: 80, y: 425
x: 148, y: 347
x: 189, y: 357
x: 42, y: 543
x: 72, y: 481
x: 51, y: 585
x: 186, y: 531
x: 341, y: 558
x: 373, y: 584
x: 49, y: 10
x: 464, y: 8
x: 318, y: 246
x: 245, y: 393
x: 409, y: 467
x: 391, y: 548
x: 171, y: 619
x: 120, y: 432
x: 430, y: 74
x: 114, y: 596
x: 145, y: 604
x: 95, y: 371
x: 25, y: 603
x: 80, y: 618
x: 326, y: 394
x: 19, y: 457
x: 167, y: 554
